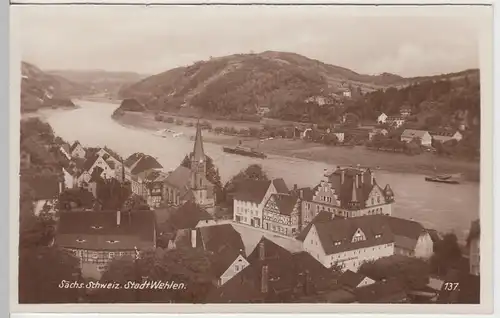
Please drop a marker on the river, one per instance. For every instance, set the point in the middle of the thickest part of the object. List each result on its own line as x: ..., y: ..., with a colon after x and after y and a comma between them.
x: 439, y: 206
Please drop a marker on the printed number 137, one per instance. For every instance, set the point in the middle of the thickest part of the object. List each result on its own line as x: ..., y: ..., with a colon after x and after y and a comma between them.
x: 451, y: 286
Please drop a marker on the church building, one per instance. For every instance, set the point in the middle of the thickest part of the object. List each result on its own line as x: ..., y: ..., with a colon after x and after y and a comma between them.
x: 191, y: 184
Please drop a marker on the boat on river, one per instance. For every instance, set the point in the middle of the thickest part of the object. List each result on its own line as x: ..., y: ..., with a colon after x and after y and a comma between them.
x: 243, y: 151
x: 445, y: 178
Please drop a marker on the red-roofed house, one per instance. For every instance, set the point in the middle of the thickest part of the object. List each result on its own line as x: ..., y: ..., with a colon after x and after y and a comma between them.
x: 250, y: 198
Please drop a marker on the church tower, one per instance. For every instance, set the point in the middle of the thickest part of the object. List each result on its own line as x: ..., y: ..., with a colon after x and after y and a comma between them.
x: 198, y: 162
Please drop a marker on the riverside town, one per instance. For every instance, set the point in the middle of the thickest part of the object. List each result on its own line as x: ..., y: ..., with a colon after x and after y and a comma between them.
x: 254, y: 177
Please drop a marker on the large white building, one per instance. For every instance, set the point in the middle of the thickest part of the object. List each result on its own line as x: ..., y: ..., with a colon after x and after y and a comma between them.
x: 251, y: 197
x: 349, y: 242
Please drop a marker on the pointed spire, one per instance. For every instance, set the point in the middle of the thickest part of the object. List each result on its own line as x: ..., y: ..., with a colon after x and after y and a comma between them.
x: 198, y: 153
x: 354, y: 196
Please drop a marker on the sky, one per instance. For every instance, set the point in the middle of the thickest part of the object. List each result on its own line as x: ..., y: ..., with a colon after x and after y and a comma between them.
x: 407, y: 41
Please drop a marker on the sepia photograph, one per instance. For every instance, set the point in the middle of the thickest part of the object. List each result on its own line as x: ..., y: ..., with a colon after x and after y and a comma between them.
x: 252, y: 155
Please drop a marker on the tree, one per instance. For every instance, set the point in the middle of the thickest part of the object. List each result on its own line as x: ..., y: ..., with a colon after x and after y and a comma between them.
x: 252, y: 172
x: 412, y: 272
x: 187, y: 266
x: 446, y: 254
x: 42, y: 270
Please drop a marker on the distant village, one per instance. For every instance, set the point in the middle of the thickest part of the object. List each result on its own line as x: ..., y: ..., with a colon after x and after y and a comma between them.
x: 267, y: 241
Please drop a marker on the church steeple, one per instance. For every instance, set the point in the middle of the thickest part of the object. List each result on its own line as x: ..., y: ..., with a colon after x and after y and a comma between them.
x: 198, y: 161
x: 198, y: 153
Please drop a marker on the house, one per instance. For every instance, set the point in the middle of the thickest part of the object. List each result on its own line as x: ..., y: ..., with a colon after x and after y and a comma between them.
x: 226, y: 249
x: 191, y: 184
x: 77, y: 150
x: 275, y: 275
x: 381, y: 119
x: 136, y: 169
x: 97, y: 238
x: 347, y: 93
x: 153, y: 181
x: 346, y: 192
x: 377, y: 131
x: 46, y: 190
x: 395, y: 121
x: 405, y: 111
x: 69, y: 178
x: 444, y: 135
x: 176, y: 223
x: 473, y: 243
x: 351, y: 280
x: 262, y: 111
x: 410, y: 238
x: 382, y: 292
x: 349, y: 242
x: 281, y: 214
x: 340, y: 135
x: 64, y: 149
x: 250, y: 198
x: 422, y: 136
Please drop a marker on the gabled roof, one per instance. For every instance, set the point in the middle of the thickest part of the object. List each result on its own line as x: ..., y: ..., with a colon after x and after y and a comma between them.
x: 413, y: 133
x: 99, y: 230
x: 251, y: 191
x: 44, y: 186
x: 347, y: 192
x: 389, y: 291
x: 133, y: 158
x: 351, y: 279
x: 336, y: 235
x: 74, y: 145
x: 187, y: 216
x: 144, y: 163
x: 66, y: 148
x: 280, y: 185
x: 406, y: 232
x: 285, y: 202
x: 322, y: 216
x: 217, y: 238
x: 89, y: 162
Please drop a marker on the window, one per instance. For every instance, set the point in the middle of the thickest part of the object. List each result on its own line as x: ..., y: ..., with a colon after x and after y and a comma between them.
x: 111, y: 254
x: 378, y: 199
x: 378, y: 236
x: 337, y: 243
x: 80, y: 240
x: 96, y: 227
x: 236, y: 267
x: 373, y: 201
x: 112, y: 241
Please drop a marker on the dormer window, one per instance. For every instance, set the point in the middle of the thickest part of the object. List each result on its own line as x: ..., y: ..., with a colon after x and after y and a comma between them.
x: 378, y: 236
x: 112, y: 241
x: 337, y: 243
x: 81, y: 240
x: 96, y: 227
x: 358, y: 236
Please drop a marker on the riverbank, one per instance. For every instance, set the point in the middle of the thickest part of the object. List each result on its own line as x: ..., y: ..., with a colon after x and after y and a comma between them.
x: 426, y: 163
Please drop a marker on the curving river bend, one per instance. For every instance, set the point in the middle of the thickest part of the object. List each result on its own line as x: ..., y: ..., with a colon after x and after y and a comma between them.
x: 439, y: 206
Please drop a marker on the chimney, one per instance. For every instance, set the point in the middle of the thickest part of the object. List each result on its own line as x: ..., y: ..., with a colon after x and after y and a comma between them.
x: 372, y: 178
x: 342, y: 176
x: 265, y: 277
x: 61, y: 184
x: 118, y: 218
x: 325, y: 174
x: 295, y: 187
x: 357, y: 181
x: 193, y: 238
x: 301, y: 193
x: 262, y: 254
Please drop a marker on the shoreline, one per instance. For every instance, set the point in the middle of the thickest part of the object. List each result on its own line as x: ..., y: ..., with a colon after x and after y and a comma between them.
x: 422, y: 164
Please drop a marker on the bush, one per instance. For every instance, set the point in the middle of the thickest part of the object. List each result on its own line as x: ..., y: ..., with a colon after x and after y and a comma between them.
x: 158, y: 117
